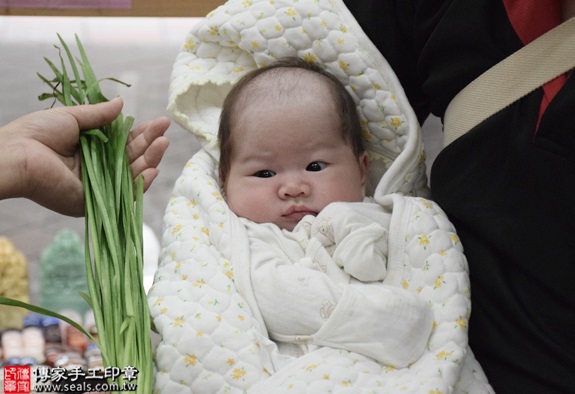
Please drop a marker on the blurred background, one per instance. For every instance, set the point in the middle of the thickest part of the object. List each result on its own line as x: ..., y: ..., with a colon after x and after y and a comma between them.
x: 139, y: 50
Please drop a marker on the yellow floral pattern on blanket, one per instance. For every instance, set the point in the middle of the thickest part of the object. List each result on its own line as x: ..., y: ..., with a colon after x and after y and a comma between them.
x: 243, y: 35
x: 210, y: 340
x: 203, y: 295
x: 212, y: 344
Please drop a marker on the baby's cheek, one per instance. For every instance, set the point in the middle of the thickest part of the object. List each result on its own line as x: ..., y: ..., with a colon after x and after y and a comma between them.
x: 248, y: 206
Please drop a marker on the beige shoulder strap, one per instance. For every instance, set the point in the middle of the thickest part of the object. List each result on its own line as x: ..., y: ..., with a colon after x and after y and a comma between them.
x: 539, y: 62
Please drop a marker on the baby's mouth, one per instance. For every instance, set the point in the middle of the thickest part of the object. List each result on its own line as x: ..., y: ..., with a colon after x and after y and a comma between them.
x: 298, y: 212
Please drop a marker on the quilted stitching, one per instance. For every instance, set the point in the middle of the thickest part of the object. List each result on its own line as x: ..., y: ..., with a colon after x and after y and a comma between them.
x: 211, y: 341
x: 206, y: 330
x: 243, y: 35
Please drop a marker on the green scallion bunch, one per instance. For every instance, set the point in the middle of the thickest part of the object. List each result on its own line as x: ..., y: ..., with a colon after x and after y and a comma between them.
x: 114, y: 239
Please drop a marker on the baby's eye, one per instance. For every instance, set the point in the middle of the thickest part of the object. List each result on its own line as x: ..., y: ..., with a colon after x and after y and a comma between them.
x: 264, y: 174
x: 316, y: 166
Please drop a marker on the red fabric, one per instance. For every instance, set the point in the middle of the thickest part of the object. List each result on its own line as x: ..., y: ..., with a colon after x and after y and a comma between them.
x: 531, y: 19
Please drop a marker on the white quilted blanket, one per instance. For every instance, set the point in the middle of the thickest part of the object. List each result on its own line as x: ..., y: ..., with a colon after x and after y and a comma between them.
x: 212, y: 341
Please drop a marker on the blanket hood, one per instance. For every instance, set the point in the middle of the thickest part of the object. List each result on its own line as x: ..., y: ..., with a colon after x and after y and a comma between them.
x: 212, y: 337
x: 242, y: 35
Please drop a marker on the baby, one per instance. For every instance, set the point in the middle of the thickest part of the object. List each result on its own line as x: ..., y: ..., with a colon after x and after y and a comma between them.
x: 297, y: 147
x: 293, y: 166
x: 290, y: 144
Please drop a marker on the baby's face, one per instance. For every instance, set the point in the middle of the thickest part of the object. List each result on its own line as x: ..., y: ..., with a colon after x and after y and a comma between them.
x: 290, y: 161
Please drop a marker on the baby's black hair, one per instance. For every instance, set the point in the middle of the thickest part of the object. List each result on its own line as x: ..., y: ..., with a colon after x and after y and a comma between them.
x: 343, y: 103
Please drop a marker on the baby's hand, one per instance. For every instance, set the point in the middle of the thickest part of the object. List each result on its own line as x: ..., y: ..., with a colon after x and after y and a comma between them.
x: 322, y: 230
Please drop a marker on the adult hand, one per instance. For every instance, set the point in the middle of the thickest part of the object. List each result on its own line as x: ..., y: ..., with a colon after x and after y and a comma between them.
x: 40, y: 159
x: 146, y: 147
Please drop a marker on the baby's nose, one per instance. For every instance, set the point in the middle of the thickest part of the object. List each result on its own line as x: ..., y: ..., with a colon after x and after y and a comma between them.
x: 293, y: 187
